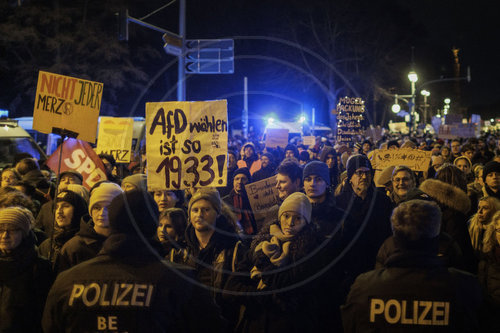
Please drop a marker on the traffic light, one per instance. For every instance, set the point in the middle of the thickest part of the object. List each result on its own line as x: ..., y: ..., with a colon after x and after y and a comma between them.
x: 122, y: 16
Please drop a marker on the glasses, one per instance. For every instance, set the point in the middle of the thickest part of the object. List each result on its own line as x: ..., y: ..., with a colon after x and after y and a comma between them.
x: 361, y: 173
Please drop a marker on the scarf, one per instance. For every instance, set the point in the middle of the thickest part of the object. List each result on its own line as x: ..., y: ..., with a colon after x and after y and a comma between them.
x: 243, y: 214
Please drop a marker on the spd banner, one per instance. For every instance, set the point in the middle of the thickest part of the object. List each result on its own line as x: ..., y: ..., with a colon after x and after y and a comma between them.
x: 78, y: 155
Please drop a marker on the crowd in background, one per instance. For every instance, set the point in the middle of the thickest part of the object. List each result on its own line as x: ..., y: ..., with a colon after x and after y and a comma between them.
x: 341, y: 234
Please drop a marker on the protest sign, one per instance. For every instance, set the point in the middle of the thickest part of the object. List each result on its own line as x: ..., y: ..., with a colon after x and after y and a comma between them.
x: 415, y: 159
x: 309, y: 140
x: 263, y: 195
x: 276, y: 137
x: 78, y: 155
x: 400, y: 127
x: 375, y: 133
x: 350, y: 118
x: 115, y: 138
x: 64, y: 103
x: 457, y: 131
x: 186, y: 144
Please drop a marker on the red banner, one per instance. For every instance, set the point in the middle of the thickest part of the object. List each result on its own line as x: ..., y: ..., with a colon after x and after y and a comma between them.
x: 78, y: 155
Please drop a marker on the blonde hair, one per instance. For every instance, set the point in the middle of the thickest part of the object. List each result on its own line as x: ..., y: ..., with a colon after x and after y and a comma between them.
x: 489, y: 239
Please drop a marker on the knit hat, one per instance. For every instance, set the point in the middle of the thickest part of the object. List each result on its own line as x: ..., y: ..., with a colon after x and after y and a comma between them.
x: 71, y: 172
x: 357, y: 145
x: 211, y: 195
x: 79, y: 204
x: 297, y: 202
x: 463, y: 158
x: 80, y: 190
x: 317, y: 168
x: 106, y: 192
x: 384, y: 176
x: 492, y: 166
x: 355, y: 162
x: 132, y: 212
x: 139, y: 180
x: 243, y: 171
x: 19, y: 217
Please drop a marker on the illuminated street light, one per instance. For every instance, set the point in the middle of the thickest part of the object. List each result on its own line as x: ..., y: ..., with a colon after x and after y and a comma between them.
x: 302, y: 119
x: 447, y: 101
x: 413, y: 77
x: 426, y: 94
x: 396, y: 108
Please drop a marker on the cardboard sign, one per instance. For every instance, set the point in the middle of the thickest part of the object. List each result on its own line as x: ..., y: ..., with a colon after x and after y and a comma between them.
x: 78, y: 155
x: 186, y: 144
x: 401, y: 127
x: 67, y: 103
x: 350, y: 118
x: 276, y: 137
x: 263, y: 195
x: 115, y: 138
x: 417, y: 160
x: 309, y: 140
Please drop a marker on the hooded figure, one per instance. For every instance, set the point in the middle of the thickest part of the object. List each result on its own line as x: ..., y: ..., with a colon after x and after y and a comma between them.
x: 25, y: 277
x: 70, y: 208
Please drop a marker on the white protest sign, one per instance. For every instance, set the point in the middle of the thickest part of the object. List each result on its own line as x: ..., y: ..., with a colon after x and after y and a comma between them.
x: 115, y: 138
x: 415, y: 159
x: 186, y: 144
x: 276, y: 137
x: 67, y: 103
x: 309, y: 140
x: 262, y: 195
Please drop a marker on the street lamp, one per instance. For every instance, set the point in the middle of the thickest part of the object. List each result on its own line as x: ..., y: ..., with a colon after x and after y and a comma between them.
x: 413, y: 77
x: 426, y: 94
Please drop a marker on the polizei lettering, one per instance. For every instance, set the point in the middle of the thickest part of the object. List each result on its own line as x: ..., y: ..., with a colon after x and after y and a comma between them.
x: 111, y: 294
x: 406, y: 312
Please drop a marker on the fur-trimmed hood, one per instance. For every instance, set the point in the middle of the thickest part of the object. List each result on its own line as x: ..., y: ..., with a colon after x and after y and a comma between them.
x: 446, y: 195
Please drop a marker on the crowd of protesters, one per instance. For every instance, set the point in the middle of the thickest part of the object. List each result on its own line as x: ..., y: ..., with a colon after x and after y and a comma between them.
x: 348, y: 248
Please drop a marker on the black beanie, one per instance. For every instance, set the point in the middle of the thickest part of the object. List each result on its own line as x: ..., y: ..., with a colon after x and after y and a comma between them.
x: 317, y: 168
x: 355, y: 162
x: 244, y: 171
x: 80, y: 207
x: 492, y: 166
x: 132, y: 212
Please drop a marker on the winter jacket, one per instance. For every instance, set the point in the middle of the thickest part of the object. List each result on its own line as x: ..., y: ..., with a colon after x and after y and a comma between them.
x: 127, y: 288
x: 85, y: 245
x: 25, y: 280
x: 51, y: 247
x: 489, y: 277
x: 455, y: 205
x: 264, y: 173
x: 327, y: 217
x: 415, y: 292
x: 280, y: 298
x: 214, y: 263
x: 245, y: 215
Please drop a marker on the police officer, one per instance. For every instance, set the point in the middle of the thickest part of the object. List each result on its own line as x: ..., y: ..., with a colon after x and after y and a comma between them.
x: 414, y: 291
x: 128, y: 287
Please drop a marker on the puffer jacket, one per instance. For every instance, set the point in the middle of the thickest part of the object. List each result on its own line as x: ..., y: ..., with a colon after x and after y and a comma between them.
x: 128, y: 288
x: 25, y: 280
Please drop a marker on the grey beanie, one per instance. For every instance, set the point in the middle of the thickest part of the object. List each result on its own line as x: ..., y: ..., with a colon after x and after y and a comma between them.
x: 317, y: 168
x: 299, y: 203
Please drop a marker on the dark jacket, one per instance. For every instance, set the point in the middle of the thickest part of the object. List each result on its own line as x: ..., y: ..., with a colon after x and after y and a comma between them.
x: 51, y: 247
x: 151, y: 295
x: 25, y: 280
x: 489, y: 277
x: 214, y: 263
x: 264, y: 172
x: 244, y: 214
x: 85, y: 245
x: 455, y: 206
x: 414, y: 292
x: 327, y: 217
x: 368, y: 227
x: 288, y: 302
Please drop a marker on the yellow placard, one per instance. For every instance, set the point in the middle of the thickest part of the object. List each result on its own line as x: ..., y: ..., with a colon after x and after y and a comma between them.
x: 115, y: 138
x: 186, y: 144
x: 309, y: 140
x: 415, y: 159
x: 64, y: 103
x: 276, y: 137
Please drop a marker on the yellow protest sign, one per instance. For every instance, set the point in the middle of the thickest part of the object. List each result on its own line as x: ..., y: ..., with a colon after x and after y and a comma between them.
x: 415, y: 159
x: 309, y: 140
x: 115, y: 138
x: 276, y: 137
x: 186, y: 144
x: 67, y: 103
